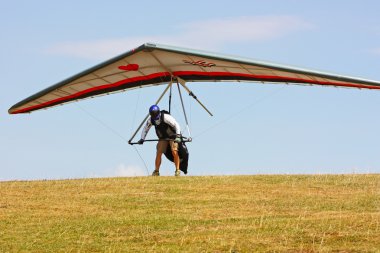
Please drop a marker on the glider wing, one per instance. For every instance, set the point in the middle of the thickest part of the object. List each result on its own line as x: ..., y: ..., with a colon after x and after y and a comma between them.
x: 153, y: 64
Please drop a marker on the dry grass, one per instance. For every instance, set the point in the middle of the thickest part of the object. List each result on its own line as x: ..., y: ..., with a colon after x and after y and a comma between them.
x: 321, y: 213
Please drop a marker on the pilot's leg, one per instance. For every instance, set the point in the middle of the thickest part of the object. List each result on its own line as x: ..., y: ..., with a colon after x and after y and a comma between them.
x: 174, y: 148
x: 161, y: 147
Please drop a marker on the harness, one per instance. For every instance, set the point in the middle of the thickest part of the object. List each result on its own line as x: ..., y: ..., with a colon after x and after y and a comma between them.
x: 163, y: 130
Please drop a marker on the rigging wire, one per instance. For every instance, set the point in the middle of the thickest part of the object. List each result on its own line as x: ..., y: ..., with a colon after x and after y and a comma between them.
x: 142, y: 159
x: 235, y: 114
x: 134, y: 115
x: 133, y: 123
x: 183, y: 109
x: 113, y: 131
x: 261, y: 99
x: 190, y: 115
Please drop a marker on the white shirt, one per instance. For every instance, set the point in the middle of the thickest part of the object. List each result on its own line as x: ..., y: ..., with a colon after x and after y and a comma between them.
x: 168, y: 119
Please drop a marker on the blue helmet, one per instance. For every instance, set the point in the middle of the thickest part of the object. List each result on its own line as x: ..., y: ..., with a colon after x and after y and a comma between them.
x: 154, y: 112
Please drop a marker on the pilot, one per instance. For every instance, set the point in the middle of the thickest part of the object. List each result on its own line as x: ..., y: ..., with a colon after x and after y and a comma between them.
x: 168, y: 132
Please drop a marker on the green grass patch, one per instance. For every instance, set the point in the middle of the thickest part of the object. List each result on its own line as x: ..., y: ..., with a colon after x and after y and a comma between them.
x: 276, y: 213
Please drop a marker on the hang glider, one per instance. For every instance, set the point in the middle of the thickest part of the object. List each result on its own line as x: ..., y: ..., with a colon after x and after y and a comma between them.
x: 154, y: 64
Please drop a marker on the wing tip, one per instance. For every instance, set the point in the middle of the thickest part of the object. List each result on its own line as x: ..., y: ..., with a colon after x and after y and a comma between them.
x: 11, y: 111
x: 16, y: 110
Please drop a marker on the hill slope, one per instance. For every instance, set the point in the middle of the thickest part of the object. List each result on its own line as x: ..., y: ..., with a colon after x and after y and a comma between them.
x: 192, y: 214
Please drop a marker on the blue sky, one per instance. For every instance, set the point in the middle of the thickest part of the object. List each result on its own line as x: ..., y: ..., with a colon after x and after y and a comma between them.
x: 257, y: 128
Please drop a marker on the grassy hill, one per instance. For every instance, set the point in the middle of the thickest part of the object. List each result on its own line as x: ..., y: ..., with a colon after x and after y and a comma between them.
x: 192, y: 214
